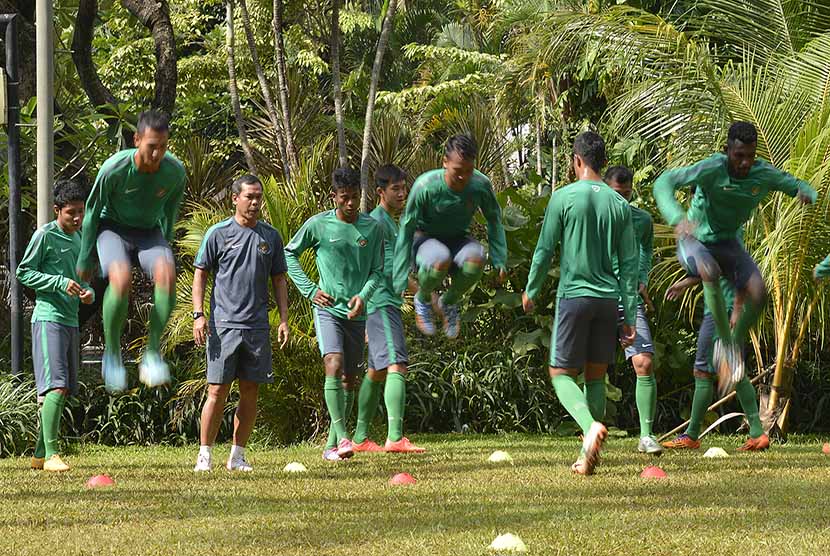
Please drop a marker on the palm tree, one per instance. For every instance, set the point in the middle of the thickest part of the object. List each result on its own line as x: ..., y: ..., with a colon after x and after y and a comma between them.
x: 342, y: 154
x: 233, y: 90
x: 282, y: 86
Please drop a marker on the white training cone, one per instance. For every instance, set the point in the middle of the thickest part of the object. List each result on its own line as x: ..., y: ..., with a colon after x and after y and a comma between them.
x: 716, y: 453
x: 295, y: 467
x: 508, y: 543
x: 500, y: 457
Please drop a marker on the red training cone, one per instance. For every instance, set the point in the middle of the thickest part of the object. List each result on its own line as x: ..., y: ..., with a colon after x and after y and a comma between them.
x: 826, y: 448
x: 402, y: 479
x: 653, y: 472
x: 100, y: 481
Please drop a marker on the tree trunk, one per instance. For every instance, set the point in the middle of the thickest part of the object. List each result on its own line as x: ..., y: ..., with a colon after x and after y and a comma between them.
x: 155, y: 15
x: 282, y: 85
x: 234, y: 92
x: 342, y: 155
x: 383, y: 40
x: 554, y: 162
x: 538, y: 147
x: 266, y: 90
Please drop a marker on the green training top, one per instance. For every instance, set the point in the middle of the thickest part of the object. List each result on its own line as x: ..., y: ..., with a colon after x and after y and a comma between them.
x: 721, y: 203
x: 133, y: 199
x: 823, y: 268
x: 349, y: 259
x: 440, y: 212
x: 644, y: 236
x: 594, y: 225
x: 385, y: 294
x: 47, y: 267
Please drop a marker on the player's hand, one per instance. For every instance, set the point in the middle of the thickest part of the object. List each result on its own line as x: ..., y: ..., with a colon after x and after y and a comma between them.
x: 527, y: 303
x: 502, y: 276
x: 356, y: 305
x: 73, y: 288
x: 628, y: 334
x: 646, y: 299
x: 322, y: 299
x: 283, y: 334
x: 85, y: 275
x: 685, y: 228
x: 676, y: 290
x: 804, y: 198
x: 200, y: 330
x: 87, y: 297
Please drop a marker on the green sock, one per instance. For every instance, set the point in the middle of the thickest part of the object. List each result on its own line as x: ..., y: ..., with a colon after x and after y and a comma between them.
x: 646, y: 395
x: 40, y: 446
x: 331, y: 442
x: 463, y: 281
x: 704, y: 390
x: 394, y: 395
x: 52, y: 410
x: 428, y: 280
x: 573, y: 400
x: 746, y: 394
x: 713, y: 297
x: 748, y: 317
x: 367, y: 405
x: 163, y: 303
x: 335, y: 402
x: 114, y: 314
x: 595, y: 395
x: 348, y: 406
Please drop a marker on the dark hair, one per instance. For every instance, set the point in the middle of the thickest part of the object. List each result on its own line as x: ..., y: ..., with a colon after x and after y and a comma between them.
x: 388, y: 174
x: 68, y: 191
x: 345, y: 178
x: 247, y: 179
x: 591, y: 149
x: 153, y: 119
x: 744, y: 132
x: 620, y: 173
x: 464, y: 145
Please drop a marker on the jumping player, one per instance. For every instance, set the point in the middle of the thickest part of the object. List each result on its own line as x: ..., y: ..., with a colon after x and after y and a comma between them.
x: 435, y: 231
x: 348, y: 247
x: 130, y: 213
x: 593, y: 225
x: 48, y: 267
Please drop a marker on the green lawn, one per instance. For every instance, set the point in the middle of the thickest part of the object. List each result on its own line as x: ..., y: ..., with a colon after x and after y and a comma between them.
x: 772, y: 504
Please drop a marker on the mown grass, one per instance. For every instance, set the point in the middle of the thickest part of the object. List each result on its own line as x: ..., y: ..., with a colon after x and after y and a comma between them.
x: 773, y: 504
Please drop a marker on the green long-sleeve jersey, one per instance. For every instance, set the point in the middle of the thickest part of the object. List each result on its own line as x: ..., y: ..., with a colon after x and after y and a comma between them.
x: 47, y: 267
x: 593, y: 224
x: 441, y: 213
x: 644, y: 236
x: 385, y: 295
x: 133, y: 199
x: 349, y: 259
x: 823, y: 268
x: 721, y: 203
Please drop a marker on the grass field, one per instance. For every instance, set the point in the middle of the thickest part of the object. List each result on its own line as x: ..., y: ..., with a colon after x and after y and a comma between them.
x: 773, y: 504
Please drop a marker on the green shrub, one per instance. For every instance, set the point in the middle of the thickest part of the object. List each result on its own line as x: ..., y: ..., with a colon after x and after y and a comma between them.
x: 18, y: 415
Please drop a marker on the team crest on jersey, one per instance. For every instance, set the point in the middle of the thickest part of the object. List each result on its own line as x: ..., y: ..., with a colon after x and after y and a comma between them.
x: 264, y: 248
x: 362, y: 242
x: 595, y: 188
x: 756, y: 190
x: 161, y: 192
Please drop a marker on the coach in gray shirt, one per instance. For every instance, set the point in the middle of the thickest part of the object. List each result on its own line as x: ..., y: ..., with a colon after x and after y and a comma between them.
x: 242, y: 252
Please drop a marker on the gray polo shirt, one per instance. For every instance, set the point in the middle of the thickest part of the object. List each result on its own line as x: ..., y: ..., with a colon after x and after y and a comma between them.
x: 242, y: 261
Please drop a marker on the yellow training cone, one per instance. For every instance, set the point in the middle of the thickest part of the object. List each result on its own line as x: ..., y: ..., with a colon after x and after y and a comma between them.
x: 508, y: 543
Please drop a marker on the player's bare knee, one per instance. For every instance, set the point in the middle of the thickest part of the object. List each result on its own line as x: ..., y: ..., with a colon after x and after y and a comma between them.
x: 702, y: 374
x: 164, y: 274
x: 218, y: 393
x: 709, y: 271
x: 333, y: 363
x: 350, y: 381
x: 120, y: 277
x: 376, y: 375
x: 441, y: 266
x: 642, y: 364
x: 559, y: 371
x: 595, y: 371
x: 399, y: 368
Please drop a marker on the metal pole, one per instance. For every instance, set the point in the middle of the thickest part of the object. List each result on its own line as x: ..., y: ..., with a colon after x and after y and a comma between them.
x: 45, y: 110
x: 13, y: 112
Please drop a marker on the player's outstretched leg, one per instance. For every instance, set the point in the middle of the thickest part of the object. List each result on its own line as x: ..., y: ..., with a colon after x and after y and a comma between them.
x: 39, y: 456
x: 53, y: 404
x: 153, y: 371
x: 243, y: 425
x: 114, y: 315
x: 433, y: 259
x: 211, y: 420
x: 597, y: 398
x: 702, y: 399
x: 646, y: 399
x: 594, y: 432
x: 758, y: 440
x: 367, y: 403
x: 470, y: 263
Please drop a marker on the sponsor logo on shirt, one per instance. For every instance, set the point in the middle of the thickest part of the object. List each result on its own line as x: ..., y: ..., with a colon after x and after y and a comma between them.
x: 133, y: 190
x: 264, y: 248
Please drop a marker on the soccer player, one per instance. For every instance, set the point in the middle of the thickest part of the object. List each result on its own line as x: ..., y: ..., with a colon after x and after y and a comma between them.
x: 435, y: 231
x: 729, y: 187
x: 48, y: 267
x: 384, y: 329
x: 704, y: 374
x: 641, y: 352
x: 593, y: 225
x: 348, y: 247
x: 243, y: 253
x: 130, y: 213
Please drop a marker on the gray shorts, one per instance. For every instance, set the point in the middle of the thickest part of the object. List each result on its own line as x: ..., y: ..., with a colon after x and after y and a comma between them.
x: 56, y: 356
x: 343, y: 336
x: 736, y: 265
x: 387, y: 345
x: 132, y: 246
x: 705, y: 345
x: 239, y: 353
x: 642, y: 339
x: 429, y: 251
x: 584, y: 331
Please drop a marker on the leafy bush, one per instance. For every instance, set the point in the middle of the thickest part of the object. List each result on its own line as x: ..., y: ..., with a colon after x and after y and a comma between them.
x: 18, y: 415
